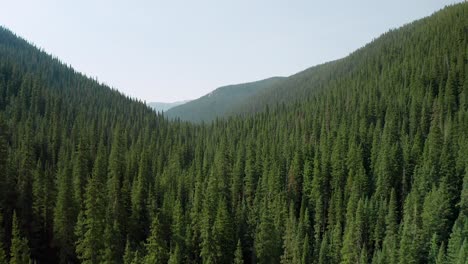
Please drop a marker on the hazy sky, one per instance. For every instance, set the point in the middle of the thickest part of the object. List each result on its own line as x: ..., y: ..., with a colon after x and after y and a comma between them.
x: 174, y: 50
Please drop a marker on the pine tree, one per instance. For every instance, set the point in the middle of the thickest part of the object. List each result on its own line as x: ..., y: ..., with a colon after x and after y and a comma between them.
x: 116, y: 214
x: 80, y: 171
x: 324, y: 256
x: 307, y: 185
x: 441, y: 259
x: 90, y: 246
x: 129, y: 254
x: 295, y: 179
x: 3, y: 257
x: 435, y: 215
x: 390, y: 243
x: 137, y: 258
x: 209, y: 209
x: 289, y: 239
x: 251, y: 172
x: 43, y: 204
x: 140, y: 216
x: 428, y: 171
x: 19, y: 251
x: 237, y: 192
x: 306, y: 251
x: 223, y: 234
x: 463, y: 253
x: 335, y: 244
x: 238, y: 256
x: 338, y: 160
x: 433, y: 250
x: 178, y: 233
x: 25, y: 179
x: 354, y: 242
x: 64, y: 214
x: 389, y: 169
x: 155, y: 245
x: 5, y: 186
x: 176, y: 256
x: 363, y: 259
x: 411, y: 237
x: 464, y: 196
x: 319, y: 193
x: 457, y: 238
x: 266, y: 240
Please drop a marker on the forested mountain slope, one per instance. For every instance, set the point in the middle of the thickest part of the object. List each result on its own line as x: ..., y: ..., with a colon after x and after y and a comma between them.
x: 371, y: 168
x: 221, y: 102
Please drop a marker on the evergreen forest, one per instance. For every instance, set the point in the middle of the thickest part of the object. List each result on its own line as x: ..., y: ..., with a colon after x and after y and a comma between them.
x: 359, y: 160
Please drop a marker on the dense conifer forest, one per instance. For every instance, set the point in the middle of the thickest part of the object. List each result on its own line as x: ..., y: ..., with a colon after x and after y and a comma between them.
x: 364, y: 161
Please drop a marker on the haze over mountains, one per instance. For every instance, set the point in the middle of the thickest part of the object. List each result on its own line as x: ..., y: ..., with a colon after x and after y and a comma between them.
x: 359, y: 160
x: 221, y: 102
x: 163, y: 107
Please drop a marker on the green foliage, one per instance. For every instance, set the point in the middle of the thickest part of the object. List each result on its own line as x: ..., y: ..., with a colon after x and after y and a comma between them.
x: 238, y: 256
x: 3, y: 256
x: 19, y: 251
x: 90, y: 246
x: 155, y: 245
x: 65, y: 214
x: 223, y: 234
x: 359, y: 160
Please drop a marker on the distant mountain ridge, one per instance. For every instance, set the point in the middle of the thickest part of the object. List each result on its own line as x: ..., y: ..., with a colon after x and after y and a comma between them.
x: 301, y: 86
x: 221, y: 102
x: 163, y: 107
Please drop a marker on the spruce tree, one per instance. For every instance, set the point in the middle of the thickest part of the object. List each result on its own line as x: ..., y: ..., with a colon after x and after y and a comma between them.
x: 238, y: 256
x: 90, y: 246
x: 390, y: 242
x: 266, y: 239
x: 435, y: 215
x: 5, y: 186
x: 3, y: 257
x: 64, y: 214
x: 223, y: 234
x: 140, y: 215
x: 306, y: 251
x: 129, y: 254
x: 116, y: 215
x: 19, y: 250
x: 155, y: 245
x: 324, y: 253
x: 80, y: 171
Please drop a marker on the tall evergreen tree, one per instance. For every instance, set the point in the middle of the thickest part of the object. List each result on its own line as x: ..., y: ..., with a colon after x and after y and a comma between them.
x: 64, y: 214
x: 90, y: 246
x: 238, y: 256
x: 223, y: 234
x: 116, y: 214
x: 155, y: 245
x: 3, y: 256
x: 19, y: 251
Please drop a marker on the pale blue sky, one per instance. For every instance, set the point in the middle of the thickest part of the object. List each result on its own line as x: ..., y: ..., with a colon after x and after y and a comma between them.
x: 175, y: 50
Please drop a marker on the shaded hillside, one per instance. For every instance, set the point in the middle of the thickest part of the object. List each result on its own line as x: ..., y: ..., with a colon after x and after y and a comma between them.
x: 54, y: 122
x: 220, y: 102
x: 412, y: 43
